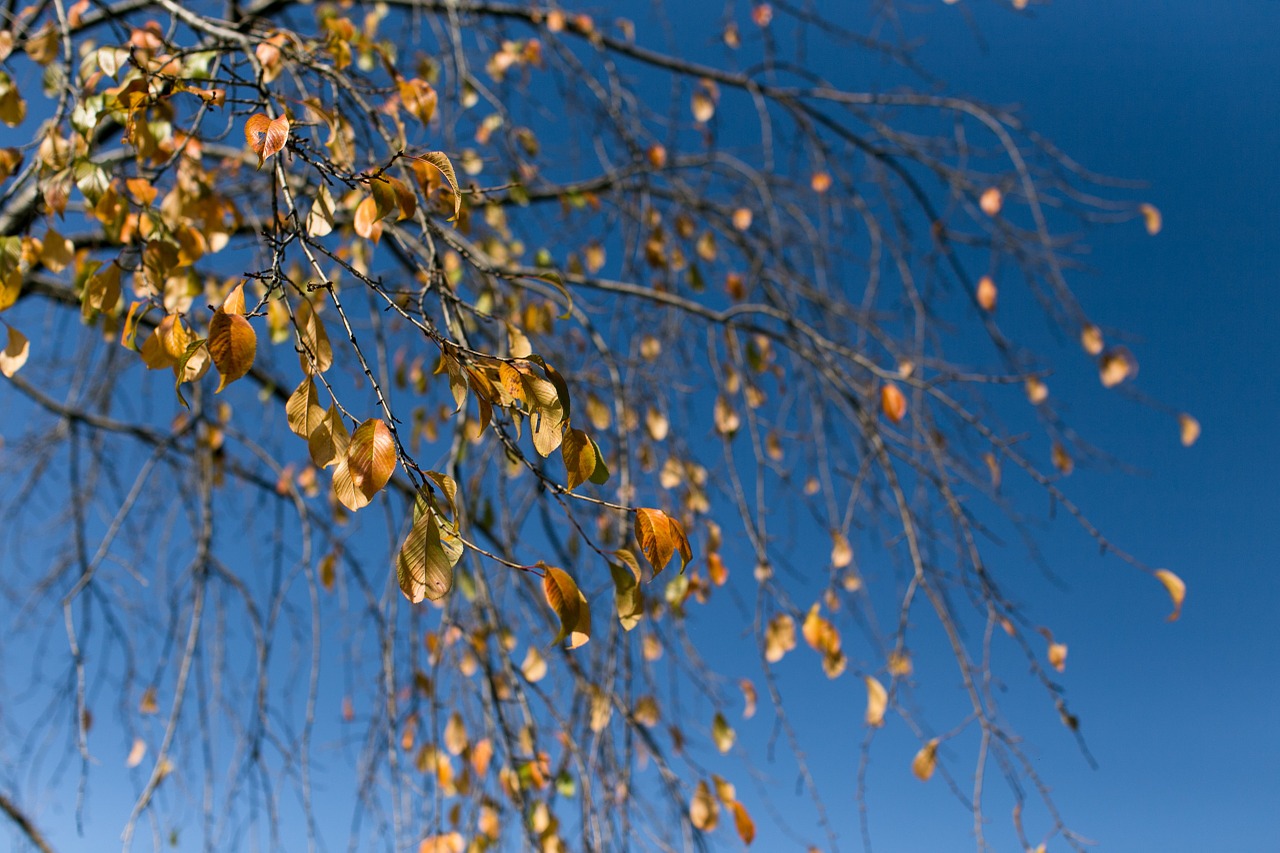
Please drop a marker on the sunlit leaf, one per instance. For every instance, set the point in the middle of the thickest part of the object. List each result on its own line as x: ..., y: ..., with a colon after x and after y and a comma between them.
x: 925, y: 761
x: 877, y: 702
x: 440, y: 161
x: 841, y: 551
x: 1177, y: 590
x: 303, y: 409
x: 266, y: 136
x: 136, y: 753
x: 1058, y: 656
x: 986, y: 293
x: 627, y: 594
x: 892, y: 402
x: 704, y: 811
x: 654, y: 533
x: 371, y: 456
x: 1151, y: 218
x: 329, y: 440
x: 569, y: 604
x: 1188, y: 428
x: 779, y: 637
x: 991, y: 201
x: 1116, y: 365
x: 232, y: 346
x: 742, y: 822
x: 15, y: 352
x: 722, y: 733
x: 1091, y: 339
x: 422, y: 567
x: 317, y: 352
x: 579, y: 457
x: 534, y: 667
x: 1037, y: 391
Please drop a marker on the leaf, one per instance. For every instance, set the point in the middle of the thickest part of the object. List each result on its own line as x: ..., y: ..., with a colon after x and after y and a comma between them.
x: 136, y: 753
x: 441, y: 161
x: 320, y: 219
x: 1062, y: 459
x: 925, y: 761
x: 303, y: 409
x: 1058, y: 656
x: 534, y: 667
x: 749, y: 698
x: 266, y: 136
x: 841, y: 551
x: 657, y: 542
x: 327, y: 571
x: 704, y: 811
x: 986, y: 293
x: 600, y: 475
x: 626, y: 590
x: 892, y: 402
x: 1151, y: 218
x: 1037, y: 391
x: 569, y: 604
x: 317, y: 352
x: 779, y: 637
x: 1091, y: 339
x: 1177, y: 590
x: 1116, y: 365
x: 366, y: 220
x: 15, y: 353
x: 344, y: 487
x: 1188, y: 428
x: 877, y: 701
x: 722, y: 733
x: 578, y: 451
x: 234, y: 303
x: 329, y: 440
x: 422, y: 567
x: 232, y: 346
x: 991, y: 201
x: 371, y: 456
x: 742, y: 822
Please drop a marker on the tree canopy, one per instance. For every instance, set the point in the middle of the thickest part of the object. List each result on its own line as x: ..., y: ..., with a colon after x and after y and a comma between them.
x: 446, y: 422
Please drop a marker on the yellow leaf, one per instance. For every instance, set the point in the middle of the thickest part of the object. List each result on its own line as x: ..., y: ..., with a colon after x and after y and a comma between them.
x: 704, y: 811
x: 1037, y: 391
x: 440, y: 161
x: 1058, y: 656
x: 15, y: 352
x: 579, y: 456
x: 877, y: 701
x: 329, y: 440
x: 1189, y: 428
x: 327, y: 571
x: 722, y: 733
x: 653, y: 532
x: 423, y: 568
x: 569, y: 604
x: 1091, y: 339
x: 455, y: 734
x: 704, y: 108
x: 892, y: 402
x: 317, y: 352
x: 451, y: 842
x: 841, y: 551
x: 303, y: 410
x: 1177, y: 590
x: 1151, y: 218
x: 779, y: 637
x: 1117, y: 365
x: 371, y: 457
x: 232, y: 346
x: 925, y: 761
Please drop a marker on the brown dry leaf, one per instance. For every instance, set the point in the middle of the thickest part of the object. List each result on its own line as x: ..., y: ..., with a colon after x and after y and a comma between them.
x: 877, y: 701
x: 266, y: 136
x: 1062, y: 459
x: 1189, y: 429
x: 986, y: 293
x: 892, y: 402
x: 991, y: 201
x: 925, y: 761
x: 1177, y: 590
x: 1151, y: 218
x: 148, y: 704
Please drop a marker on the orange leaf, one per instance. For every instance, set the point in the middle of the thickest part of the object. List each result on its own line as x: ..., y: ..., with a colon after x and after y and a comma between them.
x: 987, y: 293
x: 232, y: 346
x: 654, y: 533
x: 1189, y: 428
x: 371, y: 457
x: 892, y: 402
x: 266, y: 136
x: 925, y: 761
x: 569, y: 604
x: 1177, y: 590
x: 877, y: 701
x: 743, y: 823
x: 991, y: 201
x: 1151, y: 217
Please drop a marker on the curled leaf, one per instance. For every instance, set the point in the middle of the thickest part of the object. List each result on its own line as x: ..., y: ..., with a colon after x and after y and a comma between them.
x: 1177, y: 590
x: 569, y: 604
x: 925, y: 761
x: 877, y: 701
x: 1151, y: 218
x: 15, y: 352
